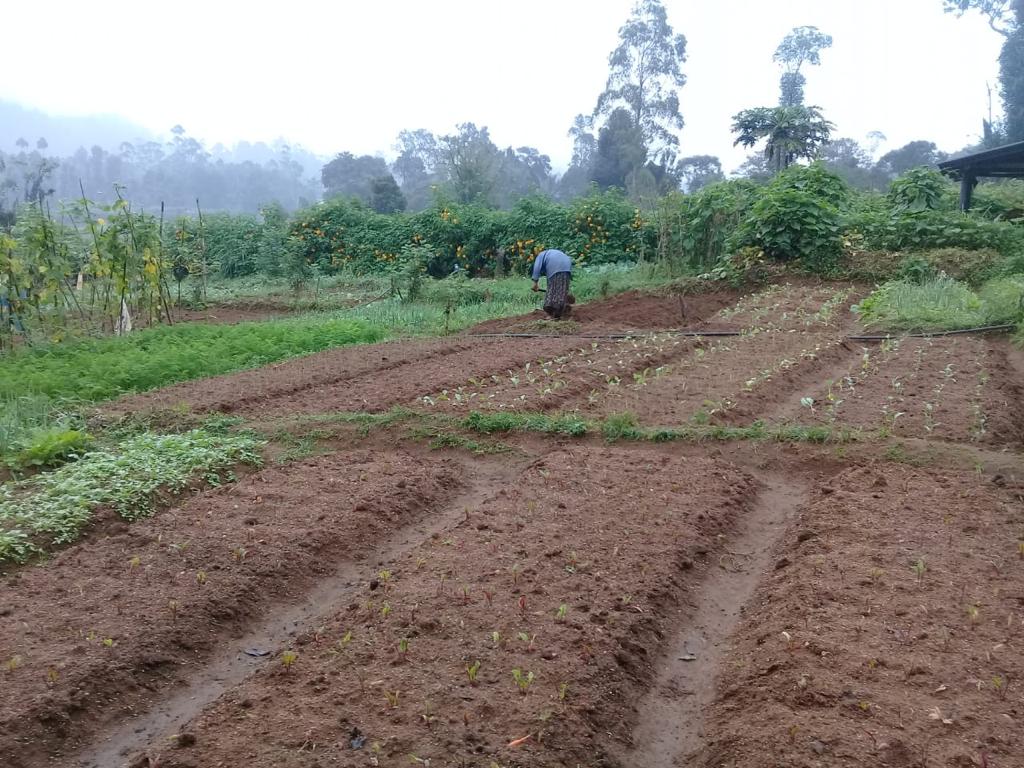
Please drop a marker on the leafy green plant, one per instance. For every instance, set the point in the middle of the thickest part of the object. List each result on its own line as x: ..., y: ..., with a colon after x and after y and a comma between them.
x: 49, y: 447
x: 54, y: 507
x: 790, y: 224
x: 921, y: 189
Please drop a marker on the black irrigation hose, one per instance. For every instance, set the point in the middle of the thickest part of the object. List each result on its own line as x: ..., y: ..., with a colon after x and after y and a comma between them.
x: 698, y: 334
x: 933, y: 334
x: 597, y: 335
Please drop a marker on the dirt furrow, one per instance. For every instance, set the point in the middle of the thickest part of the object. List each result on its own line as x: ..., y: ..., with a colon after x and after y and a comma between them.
x: 671, y: 717
x: 889, y: 633
x: 238, y: 658
x: 102, y: 629
x: 555, y: 591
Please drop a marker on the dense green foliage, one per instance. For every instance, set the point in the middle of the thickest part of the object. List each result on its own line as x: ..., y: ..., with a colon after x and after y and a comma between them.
x: 97, y: 369
x: 942, y: 303
x: 347, y: 235
x: 53, y: 508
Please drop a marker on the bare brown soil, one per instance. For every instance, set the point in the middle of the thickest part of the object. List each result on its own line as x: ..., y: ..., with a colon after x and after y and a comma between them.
x: 229, y: 315
x: 735, y: 604
x: 100, y: 637
x: 625, y: 312
x: 851, y: 657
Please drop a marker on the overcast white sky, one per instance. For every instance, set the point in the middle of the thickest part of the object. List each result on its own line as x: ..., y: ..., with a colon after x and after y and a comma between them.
x: 343, y: 75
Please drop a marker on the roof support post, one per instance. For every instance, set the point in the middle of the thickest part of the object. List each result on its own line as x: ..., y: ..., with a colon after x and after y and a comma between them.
x: 968, y: 182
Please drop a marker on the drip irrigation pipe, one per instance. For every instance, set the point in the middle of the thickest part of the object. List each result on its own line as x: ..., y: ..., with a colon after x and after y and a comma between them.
x: 698, y: 334
x: 934, y: 334
x: 598, y: 335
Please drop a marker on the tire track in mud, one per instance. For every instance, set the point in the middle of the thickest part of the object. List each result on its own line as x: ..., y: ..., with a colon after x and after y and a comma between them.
x: 252, y: 649
x: 670, y: 721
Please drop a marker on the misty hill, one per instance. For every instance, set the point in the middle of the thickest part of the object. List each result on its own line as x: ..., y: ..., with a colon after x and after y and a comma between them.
x: 65, y: 134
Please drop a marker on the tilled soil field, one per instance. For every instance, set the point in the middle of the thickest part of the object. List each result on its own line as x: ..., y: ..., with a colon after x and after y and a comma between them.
x: 548, y: 600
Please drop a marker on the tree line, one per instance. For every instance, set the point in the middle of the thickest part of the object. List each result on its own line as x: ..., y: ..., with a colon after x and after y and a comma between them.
x: 629, y: 141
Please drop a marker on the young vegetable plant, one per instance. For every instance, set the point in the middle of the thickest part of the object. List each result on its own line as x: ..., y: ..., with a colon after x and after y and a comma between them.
x: 403, y: 648
x: 919, y: 568
x: 472, y: 671
x: 524, y: 681
x: 392, y: 699
x: 288, y: 658
x: 563, y: 609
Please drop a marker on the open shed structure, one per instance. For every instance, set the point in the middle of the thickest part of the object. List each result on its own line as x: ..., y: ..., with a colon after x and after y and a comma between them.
x: 1000, y: 163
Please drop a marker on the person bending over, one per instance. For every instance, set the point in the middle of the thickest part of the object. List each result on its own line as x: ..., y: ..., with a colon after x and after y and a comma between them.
x: 556, y: 266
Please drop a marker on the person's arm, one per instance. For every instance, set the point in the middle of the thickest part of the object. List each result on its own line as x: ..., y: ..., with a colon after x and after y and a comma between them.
x: 538, y: 269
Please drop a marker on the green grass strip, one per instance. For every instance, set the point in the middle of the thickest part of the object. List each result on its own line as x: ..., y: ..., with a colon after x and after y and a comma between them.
x: 56, y: 506
x: 99, y: 369
x: 624, y: 427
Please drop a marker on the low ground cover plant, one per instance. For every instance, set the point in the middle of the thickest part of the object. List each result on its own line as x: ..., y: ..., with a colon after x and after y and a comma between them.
x: 53, y: 508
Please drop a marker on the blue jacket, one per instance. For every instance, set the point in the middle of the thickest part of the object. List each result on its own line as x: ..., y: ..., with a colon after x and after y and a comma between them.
x: 551, y: 262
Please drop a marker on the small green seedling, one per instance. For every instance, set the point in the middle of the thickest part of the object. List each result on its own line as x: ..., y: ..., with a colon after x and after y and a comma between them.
x: 403, y: 647
x: 51, y: 676
x: 173, y: 606
x: 563, y: 609
x: 563, y: 691
x: 496, y: 638
x: 200, y: 577
x: 109, y: 642
x: 288, y: 658
x: 524, y: 681
x: 919, y: 568
x: 134, y: 563
x: 472, y: 671
x: 973, y: 613
x: 385, y: 609
x: 346, y: 639
x: 12, y: 663
x: 392, y: 699
x: 1000, y: 686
